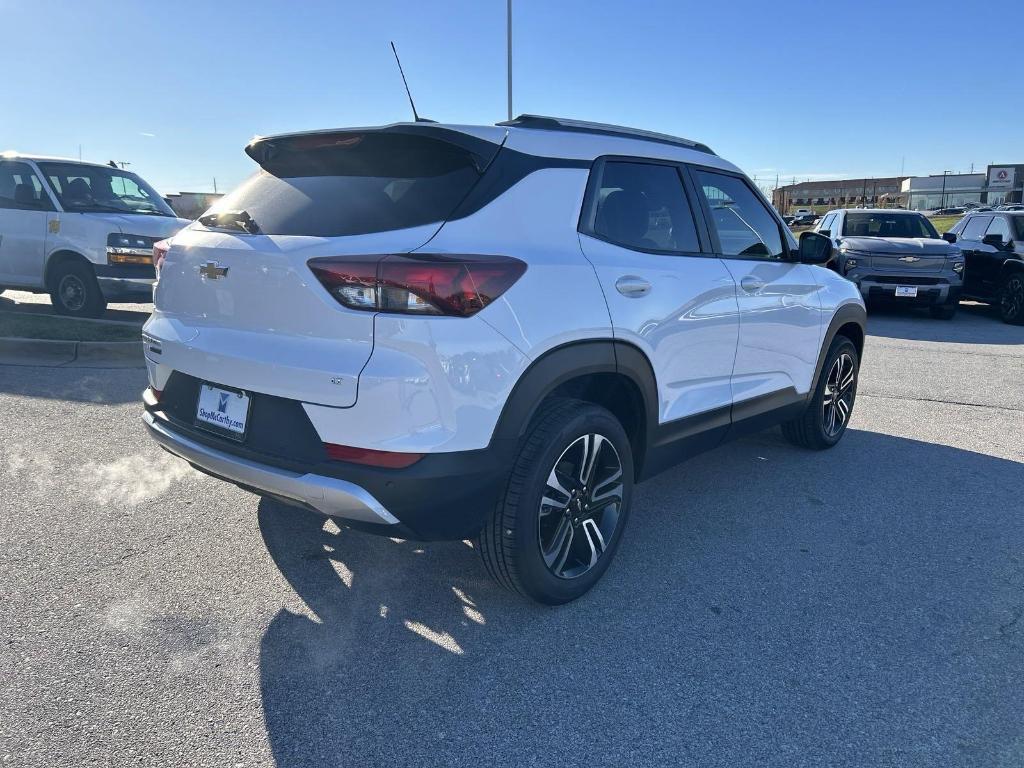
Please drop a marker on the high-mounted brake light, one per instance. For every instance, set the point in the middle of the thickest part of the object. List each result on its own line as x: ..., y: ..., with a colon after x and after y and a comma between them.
x: 418, y: 284
x: 385, y: 459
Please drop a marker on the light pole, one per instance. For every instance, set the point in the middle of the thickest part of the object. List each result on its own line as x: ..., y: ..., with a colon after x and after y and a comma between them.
x: 509, y: 26
x: 942, y: 204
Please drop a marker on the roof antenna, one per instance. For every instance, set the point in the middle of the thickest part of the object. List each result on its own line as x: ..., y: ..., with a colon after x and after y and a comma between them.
x: 407, y: 91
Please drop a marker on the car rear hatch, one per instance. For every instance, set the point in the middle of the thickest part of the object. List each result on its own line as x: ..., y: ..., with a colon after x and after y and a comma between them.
x: 236, y: 303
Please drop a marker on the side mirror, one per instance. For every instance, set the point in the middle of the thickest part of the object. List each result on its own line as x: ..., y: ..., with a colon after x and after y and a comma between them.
x: 996, y: 241
x: 825, y: 232
x: 815, y: 248
x: 949, y: 237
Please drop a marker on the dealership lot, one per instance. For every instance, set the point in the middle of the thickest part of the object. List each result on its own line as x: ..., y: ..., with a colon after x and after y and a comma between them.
x: 769, y: 606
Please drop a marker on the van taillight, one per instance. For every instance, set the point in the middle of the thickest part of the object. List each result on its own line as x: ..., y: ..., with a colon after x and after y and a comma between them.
x: 418, y: 284
x: 159, y: 252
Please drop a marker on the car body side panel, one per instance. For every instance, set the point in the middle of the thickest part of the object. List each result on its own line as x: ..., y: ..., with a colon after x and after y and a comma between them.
x: 558, y: 299
x: 432, y: 385
x: 780, y: 327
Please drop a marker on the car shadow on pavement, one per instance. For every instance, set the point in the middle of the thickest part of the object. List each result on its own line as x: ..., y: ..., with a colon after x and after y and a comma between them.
x: 97, y: 386
x: 973, y: 324
x: 860, y: 606
x: 38, y: 304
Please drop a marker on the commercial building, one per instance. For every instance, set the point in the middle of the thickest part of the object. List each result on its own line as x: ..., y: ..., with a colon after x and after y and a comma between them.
x: 942, y: 190
x: 837, y: 193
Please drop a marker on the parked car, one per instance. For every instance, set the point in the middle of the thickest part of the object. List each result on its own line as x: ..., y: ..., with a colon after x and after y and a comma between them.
x: 804, y: 220
x: 1011, y: 207
x: 896, y: 256
x: 993, y: 248
x: 82, y: 232
x: 491, y: 332
x: 955, y: 211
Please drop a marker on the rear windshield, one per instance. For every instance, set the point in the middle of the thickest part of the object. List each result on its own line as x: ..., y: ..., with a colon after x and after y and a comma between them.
x: 888, y: 225
x: 353, y: 184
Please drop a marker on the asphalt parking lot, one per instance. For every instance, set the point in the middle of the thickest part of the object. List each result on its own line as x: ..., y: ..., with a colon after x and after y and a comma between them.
x: 769, y: 606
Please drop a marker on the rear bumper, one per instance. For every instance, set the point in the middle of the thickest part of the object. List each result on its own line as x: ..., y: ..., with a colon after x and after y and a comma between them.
x: 443, y: 496
x: 328, y: 495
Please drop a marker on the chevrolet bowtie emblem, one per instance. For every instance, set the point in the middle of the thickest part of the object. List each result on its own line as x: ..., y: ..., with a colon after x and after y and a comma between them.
x: 213, y: 270
x: 909, y: 259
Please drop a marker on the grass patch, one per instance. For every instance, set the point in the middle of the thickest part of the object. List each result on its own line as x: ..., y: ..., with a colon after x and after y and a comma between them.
x: 944, y: 223
x: 32, y: 326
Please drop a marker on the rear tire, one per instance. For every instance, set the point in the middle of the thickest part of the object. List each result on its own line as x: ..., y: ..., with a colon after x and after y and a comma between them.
x: 1011, y: 299
x: 75, y: 292
x: 945, y: 311
x: 553, y: 534
x: 824, y: 422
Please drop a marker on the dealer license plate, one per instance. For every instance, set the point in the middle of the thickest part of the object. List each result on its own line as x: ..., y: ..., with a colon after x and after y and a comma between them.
x: 910, y: 291
x: 225, y: 411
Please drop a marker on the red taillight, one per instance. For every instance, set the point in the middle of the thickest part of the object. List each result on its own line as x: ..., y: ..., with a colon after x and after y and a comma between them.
x: 418, y: 284
x: 159, y: 252
x: 385, y: 459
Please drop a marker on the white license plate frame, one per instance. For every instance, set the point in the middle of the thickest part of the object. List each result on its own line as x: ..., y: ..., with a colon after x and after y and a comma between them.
x: 223, y: 410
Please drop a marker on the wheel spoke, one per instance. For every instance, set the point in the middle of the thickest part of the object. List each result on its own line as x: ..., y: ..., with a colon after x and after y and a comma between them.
x: 843, y: 410
x: 561, y: 544
x: 592, y: 445
x: 606, y: 501
x: 594, y: 540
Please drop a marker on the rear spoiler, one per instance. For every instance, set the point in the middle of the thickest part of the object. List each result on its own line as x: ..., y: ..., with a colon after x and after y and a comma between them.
x: 266, y: 149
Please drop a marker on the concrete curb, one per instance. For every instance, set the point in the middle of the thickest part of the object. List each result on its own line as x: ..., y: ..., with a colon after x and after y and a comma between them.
x: 71, y: 354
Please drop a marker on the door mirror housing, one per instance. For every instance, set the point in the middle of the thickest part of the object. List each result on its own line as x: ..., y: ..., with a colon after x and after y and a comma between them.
x: 815, y: 248
x: 949, y: 237
x: 996, y: 241
x: 825, y: 232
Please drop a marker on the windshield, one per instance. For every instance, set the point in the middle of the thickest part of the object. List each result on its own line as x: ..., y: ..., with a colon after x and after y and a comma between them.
x: 888, y: 225
x: 94, y: 188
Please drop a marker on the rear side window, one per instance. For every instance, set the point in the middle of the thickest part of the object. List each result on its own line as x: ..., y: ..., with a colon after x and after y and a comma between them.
x: 643, y: 206
x: 999, y: 227
x: 21, y: 189
x: 329, y: 185
x: 744, y: 225
x: 976, y: 227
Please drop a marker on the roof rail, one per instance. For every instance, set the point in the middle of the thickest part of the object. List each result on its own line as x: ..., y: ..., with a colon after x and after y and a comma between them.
x: 542, y: 122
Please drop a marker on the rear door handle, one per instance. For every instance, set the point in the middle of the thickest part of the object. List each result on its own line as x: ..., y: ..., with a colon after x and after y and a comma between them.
x: 751, y: 284
x: 632, y: 286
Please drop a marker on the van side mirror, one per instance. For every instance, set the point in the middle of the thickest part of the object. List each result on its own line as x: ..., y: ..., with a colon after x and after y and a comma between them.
x: 825, y: 232
x: 949, y: 237
x: 815, y: 248
x: 996, y: 241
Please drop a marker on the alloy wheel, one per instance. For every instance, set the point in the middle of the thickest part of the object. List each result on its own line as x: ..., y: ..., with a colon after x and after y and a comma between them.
x: 579, y: 512
x: 1012, y: 300
x: 837, y: 401
x: 71, y: 290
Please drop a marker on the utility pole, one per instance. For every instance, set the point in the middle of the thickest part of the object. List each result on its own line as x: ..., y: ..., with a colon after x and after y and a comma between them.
x: 942, y: 204
x: 215, y: 185
x: 509, y: 26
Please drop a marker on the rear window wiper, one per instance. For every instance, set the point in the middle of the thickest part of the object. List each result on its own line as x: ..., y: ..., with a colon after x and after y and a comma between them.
x: 240, y: 220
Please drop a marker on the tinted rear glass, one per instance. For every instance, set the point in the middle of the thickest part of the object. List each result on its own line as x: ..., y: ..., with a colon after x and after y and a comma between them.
x: 354, y: 184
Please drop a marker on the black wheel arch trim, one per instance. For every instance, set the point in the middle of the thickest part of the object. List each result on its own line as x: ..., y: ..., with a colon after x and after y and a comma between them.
x: 847, y: 314
x: 60, y: 256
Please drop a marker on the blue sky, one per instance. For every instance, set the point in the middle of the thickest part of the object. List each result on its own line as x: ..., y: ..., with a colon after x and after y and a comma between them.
x: 811, y: 90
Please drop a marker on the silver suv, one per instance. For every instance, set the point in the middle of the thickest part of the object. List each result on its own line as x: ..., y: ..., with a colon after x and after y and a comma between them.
x: 896, y: 256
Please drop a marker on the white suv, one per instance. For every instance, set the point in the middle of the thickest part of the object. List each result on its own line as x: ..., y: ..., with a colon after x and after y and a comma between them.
x: 491, y: 332
x: 82, y: 232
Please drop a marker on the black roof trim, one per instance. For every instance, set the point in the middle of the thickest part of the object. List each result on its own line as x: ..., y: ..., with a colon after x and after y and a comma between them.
x: 542, y: 122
